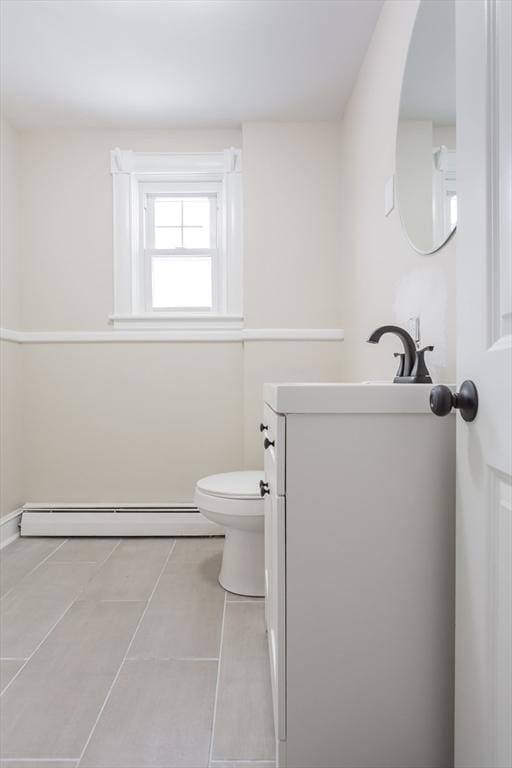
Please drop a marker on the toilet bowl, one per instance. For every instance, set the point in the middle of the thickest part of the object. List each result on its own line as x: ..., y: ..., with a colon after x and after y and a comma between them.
x: 233, y: 500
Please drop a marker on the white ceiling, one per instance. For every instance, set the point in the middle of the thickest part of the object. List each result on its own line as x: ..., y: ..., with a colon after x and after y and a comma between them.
x: 163, y: 63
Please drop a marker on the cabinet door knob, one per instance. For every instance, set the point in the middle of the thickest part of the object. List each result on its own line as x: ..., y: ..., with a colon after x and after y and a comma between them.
x: 263, y: 427
x: 442, y: 400
x: 267, y: 443
x: 264, y: 488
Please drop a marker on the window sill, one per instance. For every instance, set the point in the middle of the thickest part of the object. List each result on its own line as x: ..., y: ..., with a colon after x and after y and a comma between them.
x: 163, y: 321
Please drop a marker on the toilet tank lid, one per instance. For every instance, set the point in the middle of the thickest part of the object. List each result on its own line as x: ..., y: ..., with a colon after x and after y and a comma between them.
x: 233, y: 485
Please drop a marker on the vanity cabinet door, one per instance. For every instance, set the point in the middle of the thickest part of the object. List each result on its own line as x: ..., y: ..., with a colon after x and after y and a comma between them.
x: 274, y: 450
x: 275, y: 520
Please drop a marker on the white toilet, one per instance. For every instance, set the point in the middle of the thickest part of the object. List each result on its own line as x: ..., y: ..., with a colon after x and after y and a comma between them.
x: 233, y: 500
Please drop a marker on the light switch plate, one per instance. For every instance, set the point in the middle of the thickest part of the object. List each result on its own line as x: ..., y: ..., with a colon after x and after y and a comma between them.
x: 413, y: 326
x: 389, y: 195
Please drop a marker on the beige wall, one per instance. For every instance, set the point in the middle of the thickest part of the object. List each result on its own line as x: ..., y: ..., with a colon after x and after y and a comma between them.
x: 11, y: 487
x: 130, y: 422
x: 140, y: 422
x: 9, y: 212
x: 292, y: 263
x: 122, y: 422
x: 292, y: 225
x: 66, y: 207
x: 384, y: 280
x: 12, y: 491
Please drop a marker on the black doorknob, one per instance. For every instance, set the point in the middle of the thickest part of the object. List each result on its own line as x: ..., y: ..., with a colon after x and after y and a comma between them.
x: 263, y: 427
x: 264, y: 488
x: 267, y: 443
x: 442, y: 400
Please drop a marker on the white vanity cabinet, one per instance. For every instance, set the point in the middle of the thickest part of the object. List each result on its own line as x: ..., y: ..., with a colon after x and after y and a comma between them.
x: 275, y: 538
x: 359, y: 566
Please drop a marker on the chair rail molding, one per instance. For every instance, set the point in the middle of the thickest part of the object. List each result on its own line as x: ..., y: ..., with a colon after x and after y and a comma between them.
x: 175, y: 335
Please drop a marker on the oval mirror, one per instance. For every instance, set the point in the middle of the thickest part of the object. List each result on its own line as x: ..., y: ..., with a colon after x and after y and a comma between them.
x: 425, y: 146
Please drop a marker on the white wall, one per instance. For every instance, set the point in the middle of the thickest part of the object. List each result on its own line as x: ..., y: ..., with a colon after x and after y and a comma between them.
x: 11, y: 487
x: 123, y: 422
x: 384, y: 280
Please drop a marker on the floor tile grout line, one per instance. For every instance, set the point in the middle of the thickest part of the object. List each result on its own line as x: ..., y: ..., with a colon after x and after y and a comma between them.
x: 244, y: 762
x: 79, y: 562
x: 14, y: 658
x: 44, y: 760
x: 244, y: 602
x: 172, y: 658
x: 35, y: 568
x: 41, y: 760
x: 116, y: 676
x: 75, y: 600
x: 100, y: 565
x: 114, y: 548
x: 118, y: 600
x: 20, y: 670
x: 221, y: 643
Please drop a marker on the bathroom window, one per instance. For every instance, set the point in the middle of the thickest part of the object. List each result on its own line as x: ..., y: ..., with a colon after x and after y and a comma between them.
x: 177, y: 240
x: 181, y: 255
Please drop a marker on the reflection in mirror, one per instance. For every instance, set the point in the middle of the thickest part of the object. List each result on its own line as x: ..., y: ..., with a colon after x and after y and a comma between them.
x: 426, y: 149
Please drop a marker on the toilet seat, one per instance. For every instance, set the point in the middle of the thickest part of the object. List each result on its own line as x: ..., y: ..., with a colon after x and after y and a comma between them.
x: 232, y: 485
x: 223, y: 505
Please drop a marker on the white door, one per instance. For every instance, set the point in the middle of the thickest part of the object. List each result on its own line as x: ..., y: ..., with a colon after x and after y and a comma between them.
x: 483, y: 654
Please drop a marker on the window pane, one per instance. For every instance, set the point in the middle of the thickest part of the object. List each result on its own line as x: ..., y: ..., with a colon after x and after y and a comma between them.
x: 182, y: 281
x: 196, y: 237
x: 168, y: 237
x: 196, y: 214
x: 167, y: 212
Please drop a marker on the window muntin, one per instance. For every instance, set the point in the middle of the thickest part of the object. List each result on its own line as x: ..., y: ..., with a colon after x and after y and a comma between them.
x: 182, y: 222
x: 181, y: 249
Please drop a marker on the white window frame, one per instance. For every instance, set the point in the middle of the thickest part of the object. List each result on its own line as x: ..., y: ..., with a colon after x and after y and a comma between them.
x: 136, y: 174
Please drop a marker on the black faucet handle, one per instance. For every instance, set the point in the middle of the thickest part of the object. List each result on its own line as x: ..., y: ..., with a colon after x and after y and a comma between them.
x: 420, y: 372
x: 401, y: 364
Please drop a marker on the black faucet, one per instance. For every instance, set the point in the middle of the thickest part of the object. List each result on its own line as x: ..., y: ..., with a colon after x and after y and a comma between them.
x: 412, y: 368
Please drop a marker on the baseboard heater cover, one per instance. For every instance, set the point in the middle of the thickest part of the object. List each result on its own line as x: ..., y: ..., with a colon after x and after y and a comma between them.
x: 122, y: 520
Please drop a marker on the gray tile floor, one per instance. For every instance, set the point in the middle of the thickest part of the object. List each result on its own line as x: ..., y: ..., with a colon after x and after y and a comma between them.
x: 128, y: 654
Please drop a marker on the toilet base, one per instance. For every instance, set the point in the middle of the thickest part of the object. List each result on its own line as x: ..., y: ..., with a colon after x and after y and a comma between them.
x: 243, y: 563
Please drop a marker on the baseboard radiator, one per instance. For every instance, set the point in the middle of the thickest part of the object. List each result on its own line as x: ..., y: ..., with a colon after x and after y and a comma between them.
x: 115, y: 520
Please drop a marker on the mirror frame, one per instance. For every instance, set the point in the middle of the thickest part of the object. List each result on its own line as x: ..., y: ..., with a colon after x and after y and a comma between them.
x: 395, y: 175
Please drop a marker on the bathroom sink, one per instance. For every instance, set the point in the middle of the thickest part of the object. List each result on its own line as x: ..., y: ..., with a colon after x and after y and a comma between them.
x: 376, y: 381
x: 367, y: 397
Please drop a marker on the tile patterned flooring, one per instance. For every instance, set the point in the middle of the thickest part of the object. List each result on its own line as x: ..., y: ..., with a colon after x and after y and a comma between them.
x: 128, y: 654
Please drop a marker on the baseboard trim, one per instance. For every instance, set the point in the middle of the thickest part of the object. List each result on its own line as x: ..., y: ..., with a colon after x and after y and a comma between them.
x: 10, y: 527
x: 88, y: 521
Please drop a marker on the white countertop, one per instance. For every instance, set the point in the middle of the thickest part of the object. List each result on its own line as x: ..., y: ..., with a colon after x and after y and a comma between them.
x: 372, y: 397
